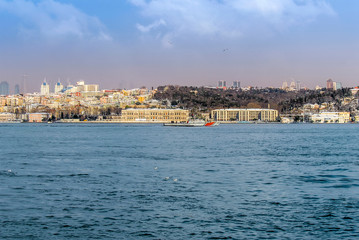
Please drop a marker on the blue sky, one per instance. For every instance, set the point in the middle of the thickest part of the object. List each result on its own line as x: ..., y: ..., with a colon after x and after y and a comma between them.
x: 131, y: 43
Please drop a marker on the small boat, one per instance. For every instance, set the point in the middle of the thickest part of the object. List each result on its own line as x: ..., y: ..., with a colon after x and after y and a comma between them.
x: 211, y: 124
x: 190, y: 123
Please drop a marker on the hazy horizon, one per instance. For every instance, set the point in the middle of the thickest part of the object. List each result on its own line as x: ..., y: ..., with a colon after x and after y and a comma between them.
x: 134, y: 43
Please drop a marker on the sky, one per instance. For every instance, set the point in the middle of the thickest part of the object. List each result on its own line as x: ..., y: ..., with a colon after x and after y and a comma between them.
x: 135, y: 43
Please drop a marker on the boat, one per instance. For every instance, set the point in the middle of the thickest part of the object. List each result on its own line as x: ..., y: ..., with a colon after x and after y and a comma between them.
x: 211, y: 124
x: 190, y: 123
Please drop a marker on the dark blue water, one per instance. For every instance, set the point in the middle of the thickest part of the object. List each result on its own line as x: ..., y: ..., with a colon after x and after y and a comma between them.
x: 63, y: 181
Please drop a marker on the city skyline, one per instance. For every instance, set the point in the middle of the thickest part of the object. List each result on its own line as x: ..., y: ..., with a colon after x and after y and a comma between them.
x: 55, y: 86
x: 127, y: 44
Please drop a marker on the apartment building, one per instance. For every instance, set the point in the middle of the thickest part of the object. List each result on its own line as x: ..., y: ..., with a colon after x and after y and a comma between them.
x: 253, y: 114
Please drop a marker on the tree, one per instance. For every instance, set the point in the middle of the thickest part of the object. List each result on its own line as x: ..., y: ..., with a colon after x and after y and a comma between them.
x: 296, y: 118
x: 253, y: 105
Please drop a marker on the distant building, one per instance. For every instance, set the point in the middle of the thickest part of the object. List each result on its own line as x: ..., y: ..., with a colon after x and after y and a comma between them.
x: 38, y: 117
x: 252, y: 114
x: 58, y: 87
x: 17, y: 89
x: 285, y: 86
x: 354, y: 90
x: 154, y: 115
x: 337, y: 85
x: 331, y: 117
x: 82, y: 87
x: 222, y: 84
x: 14, y: 101
x: 318, y: 87
x: 91, y: 88
x: 294, y: 86
x: 45, y: 88
x: 80, y: 83
x: 4, y: 88
x: 236, y: 84
x: 7, y: 117
x: 330, y: 84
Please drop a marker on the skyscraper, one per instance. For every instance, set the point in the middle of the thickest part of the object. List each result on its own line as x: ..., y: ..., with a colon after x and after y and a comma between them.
x: 330, y: 84
x: 285, y: 85
x: 4, y: 88
x: 58, y: 87
x: 222, y: 84
x: 292, y: 86
x: 337, y: 85
x: 45, y: 88
x: 17, y: 89
x: 236, y: 84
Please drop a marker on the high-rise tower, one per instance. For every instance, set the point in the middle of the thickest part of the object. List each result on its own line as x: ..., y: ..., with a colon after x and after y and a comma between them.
x: 236, y: 84
x: 58, y: 87
x: 4, y: 88
x: 45, y: 88
x: 330, y: 84
x: 222, y: 84
x: 17, y: 89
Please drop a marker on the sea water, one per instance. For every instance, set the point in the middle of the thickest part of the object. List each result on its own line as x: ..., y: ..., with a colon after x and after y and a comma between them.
x: 117, y: 181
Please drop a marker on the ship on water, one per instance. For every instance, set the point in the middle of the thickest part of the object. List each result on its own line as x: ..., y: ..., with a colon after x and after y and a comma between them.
x: 191, y: 123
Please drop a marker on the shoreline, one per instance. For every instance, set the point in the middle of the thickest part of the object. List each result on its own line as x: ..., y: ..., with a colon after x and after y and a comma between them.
x: 143, y: 122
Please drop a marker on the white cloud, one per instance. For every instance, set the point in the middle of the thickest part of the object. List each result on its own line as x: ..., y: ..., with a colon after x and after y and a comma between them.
x: 150, y: 27
x: 49, y: 18
x: 283, y: 12
x: 226, y: 18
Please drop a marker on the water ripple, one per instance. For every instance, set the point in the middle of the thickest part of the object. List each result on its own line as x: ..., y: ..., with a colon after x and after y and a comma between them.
x: 149, y: 182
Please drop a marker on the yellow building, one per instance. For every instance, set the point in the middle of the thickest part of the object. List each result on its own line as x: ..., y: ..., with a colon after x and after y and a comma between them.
x: 154, y: 115
x: 253, y: 114
x: 14, y: 101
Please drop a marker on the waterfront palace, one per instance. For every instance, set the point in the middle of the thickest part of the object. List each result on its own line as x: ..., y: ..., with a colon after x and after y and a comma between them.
x: 253, y: 114
x: 154, y: 115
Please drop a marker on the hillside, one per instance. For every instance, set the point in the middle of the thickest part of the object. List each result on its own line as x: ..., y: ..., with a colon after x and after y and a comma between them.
x: 204, y: 99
